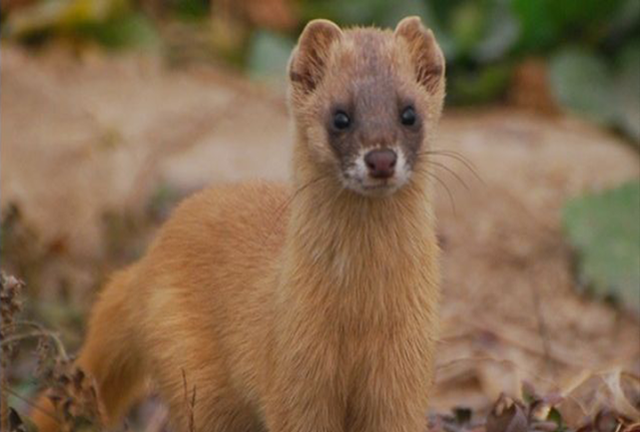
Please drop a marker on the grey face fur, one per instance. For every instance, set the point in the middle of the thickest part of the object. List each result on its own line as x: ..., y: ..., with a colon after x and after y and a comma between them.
x: 375, y: 123
x: 374, y: 101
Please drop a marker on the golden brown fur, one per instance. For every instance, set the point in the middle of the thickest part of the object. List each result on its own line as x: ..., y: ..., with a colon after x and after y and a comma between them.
x: 311, y: 309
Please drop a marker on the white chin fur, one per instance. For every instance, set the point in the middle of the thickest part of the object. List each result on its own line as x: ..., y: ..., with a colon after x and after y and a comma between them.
x: 357, y: 178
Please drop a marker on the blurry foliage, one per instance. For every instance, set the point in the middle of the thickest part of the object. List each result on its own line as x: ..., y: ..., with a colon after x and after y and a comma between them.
x: 584, y: 82
x: 113, y: 23
x: 581, y: 81
x: 130, y: 29
x: 268, y: 54
x: 191, y: 9
x: 604, y: 230
x: 592, y: 46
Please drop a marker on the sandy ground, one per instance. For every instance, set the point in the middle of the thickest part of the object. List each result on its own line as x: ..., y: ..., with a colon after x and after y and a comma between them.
x: 96, y: 135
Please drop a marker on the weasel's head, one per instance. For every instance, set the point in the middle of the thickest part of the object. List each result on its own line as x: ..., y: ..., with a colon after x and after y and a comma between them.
x: 366, y: 102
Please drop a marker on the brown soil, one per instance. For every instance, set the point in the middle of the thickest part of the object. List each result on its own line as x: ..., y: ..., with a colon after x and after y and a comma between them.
x: 97, y: 135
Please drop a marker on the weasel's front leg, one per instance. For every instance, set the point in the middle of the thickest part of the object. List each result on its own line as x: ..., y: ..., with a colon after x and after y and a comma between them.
x: 303, y: 405
x: 391, y: 387
x: 305, y: 410
x: 305, y: 390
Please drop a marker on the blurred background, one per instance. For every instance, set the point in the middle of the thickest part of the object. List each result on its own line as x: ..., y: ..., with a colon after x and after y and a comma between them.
x: 113, y: 110
x: 580, y: 55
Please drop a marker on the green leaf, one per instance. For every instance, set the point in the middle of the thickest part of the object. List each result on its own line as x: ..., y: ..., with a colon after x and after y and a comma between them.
x: 467, y: 25
x: 358, y: 12
x: 628, y: 92
x: 268, y: 55
x: 583, y: 14
x: 61, y: 15
x: 400, y: 9
x: 556, y: 416
x: 547, y: 23
x: 501, y: 34
x: 124, y: 30
x: 625, y: 19
x: 582, y: 83
x: 479, y: 86
x: 604, y: 230
x: 404, y: 8
x: 112, y: 23
x: 540, y: 28
x: 192, y: 9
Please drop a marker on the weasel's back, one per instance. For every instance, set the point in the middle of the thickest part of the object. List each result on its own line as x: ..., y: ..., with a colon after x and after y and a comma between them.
x: 206, y: 284
x: 219, y: 244
x: 195, y: 308
x: 244, y: 219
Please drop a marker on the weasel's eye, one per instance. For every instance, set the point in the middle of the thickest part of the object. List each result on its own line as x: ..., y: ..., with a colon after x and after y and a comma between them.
x: 408, y: 116
x: 341, y: 120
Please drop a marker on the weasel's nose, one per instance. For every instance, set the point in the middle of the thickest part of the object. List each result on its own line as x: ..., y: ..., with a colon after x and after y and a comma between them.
x: 381, y: 163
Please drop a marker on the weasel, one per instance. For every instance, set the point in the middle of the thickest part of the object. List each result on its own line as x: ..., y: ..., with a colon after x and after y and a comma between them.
x: 304, y: 308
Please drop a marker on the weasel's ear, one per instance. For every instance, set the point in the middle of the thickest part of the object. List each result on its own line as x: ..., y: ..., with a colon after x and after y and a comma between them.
x: 308, y: 61
x: 424, y: 50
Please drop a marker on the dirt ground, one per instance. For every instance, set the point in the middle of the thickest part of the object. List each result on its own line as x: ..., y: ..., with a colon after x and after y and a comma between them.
x: 88, y: 137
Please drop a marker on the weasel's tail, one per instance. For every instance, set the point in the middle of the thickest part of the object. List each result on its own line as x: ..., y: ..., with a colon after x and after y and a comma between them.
x: 110, y: 356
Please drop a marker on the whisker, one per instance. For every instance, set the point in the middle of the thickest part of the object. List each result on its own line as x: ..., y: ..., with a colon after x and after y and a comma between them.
x: 452, y: 172
x: 446, y: 188
x: 282, y: 208
x: 458, y: 157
